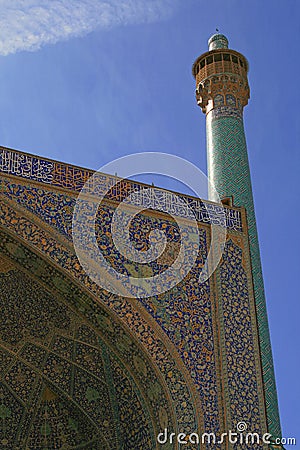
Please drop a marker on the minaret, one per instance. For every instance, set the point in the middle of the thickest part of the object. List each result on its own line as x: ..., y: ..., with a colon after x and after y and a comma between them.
x: 222, y: 91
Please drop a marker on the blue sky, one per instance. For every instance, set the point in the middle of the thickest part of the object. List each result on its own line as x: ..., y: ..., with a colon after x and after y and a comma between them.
x: 89, y: 81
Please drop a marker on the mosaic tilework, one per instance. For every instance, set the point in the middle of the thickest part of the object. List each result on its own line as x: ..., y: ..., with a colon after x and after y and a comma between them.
x: 239, y: 342
x: 60, y: 380
x: 39, y: 202
x: 26, y: 166
x: 178, y: 387
x: 208, y: 363
x: 186, y: 316
x: 184, y: 312
x: 229, y: 171
x: 46, y: 244
x: 227, y: 111
x: 73, y: 178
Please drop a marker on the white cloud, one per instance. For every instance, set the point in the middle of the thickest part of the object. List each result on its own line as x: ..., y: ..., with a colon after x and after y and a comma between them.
x: 30, y: 24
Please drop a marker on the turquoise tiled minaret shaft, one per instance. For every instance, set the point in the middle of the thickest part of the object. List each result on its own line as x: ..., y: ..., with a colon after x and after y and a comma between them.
x: 222, y: 91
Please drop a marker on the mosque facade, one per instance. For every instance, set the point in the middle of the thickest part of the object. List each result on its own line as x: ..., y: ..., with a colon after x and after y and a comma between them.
x: 85, y: 368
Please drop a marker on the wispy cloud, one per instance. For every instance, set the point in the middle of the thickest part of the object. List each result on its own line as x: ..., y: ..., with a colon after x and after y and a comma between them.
x: 30, y: 24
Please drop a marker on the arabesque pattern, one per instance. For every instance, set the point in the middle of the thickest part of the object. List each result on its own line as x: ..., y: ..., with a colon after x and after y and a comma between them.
x: 187, y: 316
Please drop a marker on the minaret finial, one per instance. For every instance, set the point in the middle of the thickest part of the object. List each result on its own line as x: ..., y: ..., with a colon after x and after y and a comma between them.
x: 217, y: 40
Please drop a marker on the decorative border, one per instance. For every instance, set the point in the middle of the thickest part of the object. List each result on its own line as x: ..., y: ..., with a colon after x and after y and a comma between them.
x: 226, y: 111
x: 73, y: 178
